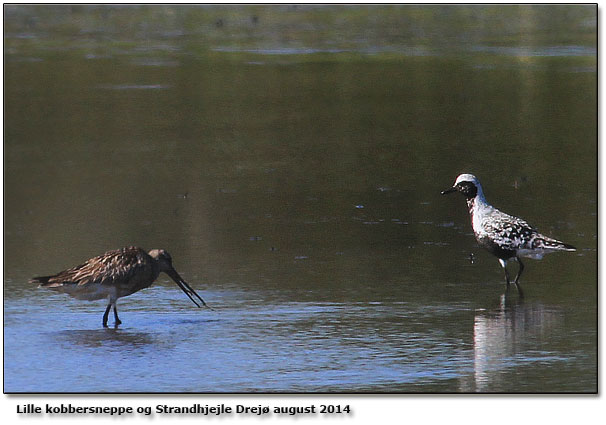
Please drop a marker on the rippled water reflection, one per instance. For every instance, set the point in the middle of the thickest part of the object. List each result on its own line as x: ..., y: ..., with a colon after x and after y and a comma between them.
x: 248, y: 344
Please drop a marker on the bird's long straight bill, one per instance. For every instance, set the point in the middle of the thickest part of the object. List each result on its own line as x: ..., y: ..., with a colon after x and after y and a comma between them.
x: 189, y: 291
x: 449, y: 190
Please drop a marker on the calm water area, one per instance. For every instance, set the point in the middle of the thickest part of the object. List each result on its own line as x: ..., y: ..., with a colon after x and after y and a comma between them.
x: 291, y: 160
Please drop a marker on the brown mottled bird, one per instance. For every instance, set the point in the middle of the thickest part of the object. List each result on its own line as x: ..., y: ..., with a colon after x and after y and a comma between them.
x: 116, y: 274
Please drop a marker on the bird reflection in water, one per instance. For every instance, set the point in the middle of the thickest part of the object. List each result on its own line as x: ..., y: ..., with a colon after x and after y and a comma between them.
x: 96, y: 338
x: 501, y: 335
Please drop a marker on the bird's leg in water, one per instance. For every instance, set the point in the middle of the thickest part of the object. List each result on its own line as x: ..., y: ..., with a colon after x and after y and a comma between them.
x: 518, y: 277
x: 118, y: 321
x: 504, y: 265
x: 109, y: 306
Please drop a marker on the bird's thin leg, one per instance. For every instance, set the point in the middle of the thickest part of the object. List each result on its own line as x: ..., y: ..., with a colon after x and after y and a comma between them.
x: 520, y: 270
x: 518, y: 276
x: 117, y: 321
x: 504, y: 265
x: 109, y: 306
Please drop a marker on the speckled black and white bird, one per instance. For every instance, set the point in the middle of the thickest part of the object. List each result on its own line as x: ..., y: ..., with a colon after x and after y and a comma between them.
x: 506, y: 236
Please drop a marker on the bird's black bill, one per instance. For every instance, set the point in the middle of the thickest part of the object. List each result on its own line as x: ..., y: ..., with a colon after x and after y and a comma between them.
x: 447, y: 191
x: 187, y: 289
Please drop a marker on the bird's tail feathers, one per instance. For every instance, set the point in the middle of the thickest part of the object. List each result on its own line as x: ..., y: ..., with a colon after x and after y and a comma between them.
x: 548, y: 243
x: 45, y: 281
x: 42, y: 280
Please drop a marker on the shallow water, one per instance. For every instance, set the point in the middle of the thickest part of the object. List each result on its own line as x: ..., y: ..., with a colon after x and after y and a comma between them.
x: 296, y: 185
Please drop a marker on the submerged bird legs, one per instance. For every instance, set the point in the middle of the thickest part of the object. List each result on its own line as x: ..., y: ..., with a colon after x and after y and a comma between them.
x: 109, y: 306
x: 516, y: 281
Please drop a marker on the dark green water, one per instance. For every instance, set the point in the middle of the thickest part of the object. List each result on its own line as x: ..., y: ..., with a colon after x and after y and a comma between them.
x: 293, y: 171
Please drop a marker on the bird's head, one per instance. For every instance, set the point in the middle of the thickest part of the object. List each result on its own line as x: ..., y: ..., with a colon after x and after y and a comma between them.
x: 467, y: 184
x: 165, y: 261
x: 165, y: 264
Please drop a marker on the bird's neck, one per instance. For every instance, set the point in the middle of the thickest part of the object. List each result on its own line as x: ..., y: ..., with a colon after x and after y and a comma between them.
x: 478, y: 206
x: 156, y: 270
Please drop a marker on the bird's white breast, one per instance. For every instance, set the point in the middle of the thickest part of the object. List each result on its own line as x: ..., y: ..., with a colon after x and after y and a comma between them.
x: 479, y: 210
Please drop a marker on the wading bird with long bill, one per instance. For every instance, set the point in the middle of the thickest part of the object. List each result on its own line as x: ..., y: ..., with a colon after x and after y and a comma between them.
x: 116, y: 274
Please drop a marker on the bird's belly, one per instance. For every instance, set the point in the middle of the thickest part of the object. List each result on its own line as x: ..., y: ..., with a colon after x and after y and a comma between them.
x: 136, y: 283
x: 89, y: 292
x: 496, y: 249
x: 124, y: 291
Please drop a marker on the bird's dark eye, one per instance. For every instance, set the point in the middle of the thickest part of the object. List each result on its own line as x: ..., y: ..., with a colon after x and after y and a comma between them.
x: 468, y: 189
